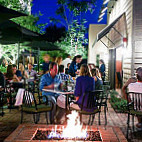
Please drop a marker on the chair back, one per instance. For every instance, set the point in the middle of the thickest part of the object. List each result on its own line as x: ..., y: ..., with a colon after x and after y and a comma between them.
x: 29, y: 99
x: 136, y: 100
x: 91, y: 100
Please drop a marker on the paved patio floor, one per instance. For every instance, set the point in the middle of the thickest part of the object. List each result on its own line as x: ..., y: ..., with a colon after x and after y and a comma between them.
x: 10, y: 121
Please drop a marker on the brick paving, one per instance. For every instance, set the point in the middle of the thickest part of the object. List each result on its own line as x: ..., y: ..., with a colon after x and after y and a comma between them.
x: 11, y: 120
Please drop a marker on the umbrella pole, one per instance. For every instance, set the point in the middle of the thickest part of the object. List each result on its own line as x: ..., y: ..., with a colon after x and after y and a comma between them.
x: 18, y: 54
x: 38, y: 58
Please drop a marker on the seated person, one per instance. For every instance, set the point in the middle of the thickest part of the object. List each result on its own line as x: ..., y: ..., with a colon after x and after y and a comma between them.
x: 83, y: 83
x: 48, y: 81
x: 98, y: 81
x: 64, y: 77
x: 67, y: 69
x: 32, y: 74
x: 137, y: 87
x: 17, y: 72
x: 10, y: 74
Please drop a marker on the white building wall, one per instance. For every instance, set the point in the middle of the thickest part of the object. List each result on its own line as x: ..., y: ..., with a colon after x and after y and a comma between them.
x: 120, y: 7
x: 98, y: 48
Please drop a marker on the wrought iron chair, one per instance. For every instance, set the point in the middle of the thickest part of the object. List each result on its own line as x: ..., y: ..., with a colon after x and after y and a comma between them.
x: 1, y: 103
x: 104, y: 95
x: 92, y: 106
x: 31, y: 105
x: 134, y: 108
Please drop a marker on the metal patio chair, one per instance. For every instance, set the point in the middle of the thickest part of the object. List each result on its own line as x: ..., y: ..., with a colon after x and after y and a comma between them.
x: 32, y: 106
x: 134, y: 108
x: 92, y: 106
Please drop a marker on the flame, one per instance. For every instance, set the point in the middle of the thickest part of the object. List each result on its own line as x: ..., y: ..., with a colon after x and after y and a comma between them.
x: 73, y: 130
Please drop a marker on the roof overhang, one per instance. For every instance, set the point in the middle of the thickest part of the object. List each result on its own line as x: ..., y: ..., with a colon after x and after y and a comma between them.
x: 106, y: 30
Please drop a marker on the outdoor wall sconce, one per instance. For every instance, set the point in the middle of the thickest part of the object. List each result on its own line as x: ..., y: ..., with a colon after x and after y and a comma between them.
x: 125, y: 40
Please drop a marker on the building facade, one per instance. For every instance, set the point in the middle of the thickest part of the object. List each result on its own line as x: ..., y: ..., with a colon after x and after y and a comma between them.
x: 119, y: 44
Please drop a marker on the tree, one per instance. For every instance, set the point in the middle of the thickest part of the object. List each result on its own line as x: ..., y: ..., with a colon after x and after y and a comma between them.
x: 10, y: 52
x: 51, y: 33
x: 71, y: 12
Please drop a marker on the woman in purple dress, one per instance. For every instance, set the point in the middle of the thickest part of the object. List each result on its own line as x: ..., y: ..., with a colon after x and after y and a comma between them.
x: 84, y: 83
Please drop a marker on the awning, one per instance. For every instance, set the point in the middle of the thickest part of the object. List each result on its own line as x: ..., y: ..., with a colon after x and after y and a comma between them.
x: 108, y: 28
x: 6, y: 13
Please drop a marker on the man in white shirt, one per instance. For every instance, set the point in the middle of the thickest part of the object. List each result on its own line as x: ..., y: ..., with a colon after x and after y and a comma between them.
x: 66, y: 61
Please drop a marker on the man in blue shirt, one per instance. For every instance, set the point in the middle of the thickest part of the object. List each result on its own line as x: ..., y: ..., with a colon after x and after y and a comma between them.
x: 50, y: 81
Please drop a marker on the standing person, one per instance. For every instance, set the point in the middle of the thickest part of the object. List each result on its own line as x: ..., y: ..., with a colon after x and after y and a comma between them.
x: 59, y: 60
x: 84, y: 83
x: 45, y: 64
x: 73, y: 70
x: 66, y: 61
x: 102, y: 69
x: 51, y: 80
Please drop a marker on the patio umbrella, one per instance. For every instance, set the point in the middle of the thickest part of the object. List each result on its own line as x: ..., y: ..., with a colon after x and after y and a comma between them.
x: 6, y: 13
x: 11, y: 32
x: 42, y: 45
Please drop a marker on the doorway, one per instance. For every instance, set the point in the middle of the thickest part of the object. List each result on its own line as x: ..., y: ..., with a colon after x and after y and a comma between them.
x: 119, y: 71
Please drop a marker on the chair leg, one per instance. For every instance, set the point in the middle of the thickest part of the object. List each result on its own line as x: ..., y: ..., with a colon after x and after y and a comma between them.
x: 46, y: 116
x: 50, y: 115
x: 128, y: 125
x: 89, y: 119
x: 21, y: 117
x: 93, y: 117
x: 80, y: 117
x: 99, y: 118
x: 105, y: 115
x: 133, y: 123
x: 36, y: 117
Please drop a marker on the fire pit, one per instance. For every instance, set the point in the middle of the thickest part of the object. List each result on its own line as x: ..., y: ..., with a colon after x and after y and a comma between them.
x: 73, y: 131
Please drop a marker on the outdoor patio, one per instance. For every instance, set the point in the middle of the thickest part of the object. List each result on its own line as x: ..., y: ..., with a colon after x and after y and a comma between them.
x: 11, y: 120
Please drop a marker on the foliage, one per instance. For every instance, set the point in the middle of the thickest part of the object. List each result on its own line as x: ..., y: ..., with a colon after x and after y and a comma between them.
x: 51, y: 33
x: 119, y: 104
x: 10, y: 52
x: 3, y: 69
x: 71, y: 14
x: 75, y: 41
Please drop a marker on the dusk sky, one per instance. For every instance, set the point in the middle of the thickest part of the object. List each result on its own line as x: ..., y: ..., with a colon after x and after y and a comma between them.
x: 48, y: 8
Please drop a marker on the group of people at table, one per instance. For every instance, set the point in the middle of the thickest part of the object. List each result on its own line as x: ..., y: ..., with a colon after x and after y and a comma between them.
x: 56, y: 73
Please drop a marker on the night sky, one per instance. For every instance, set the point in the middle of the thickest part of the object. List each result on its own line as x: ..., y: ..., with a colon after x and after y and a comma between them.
x: 48, y: 8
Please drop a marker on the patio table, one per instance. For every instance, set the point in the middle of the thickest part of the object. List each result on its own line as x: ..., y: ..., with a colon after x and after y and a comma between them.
x: 63, y: 93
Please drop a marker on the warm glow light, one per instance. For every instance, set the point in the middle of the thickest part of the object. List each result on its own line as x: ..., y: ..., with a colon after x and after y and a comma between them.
x: 73, y: 130
x: 102, y: 14
x: 104, y: 9
x: 106, y: 1
x: 100, y: 19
